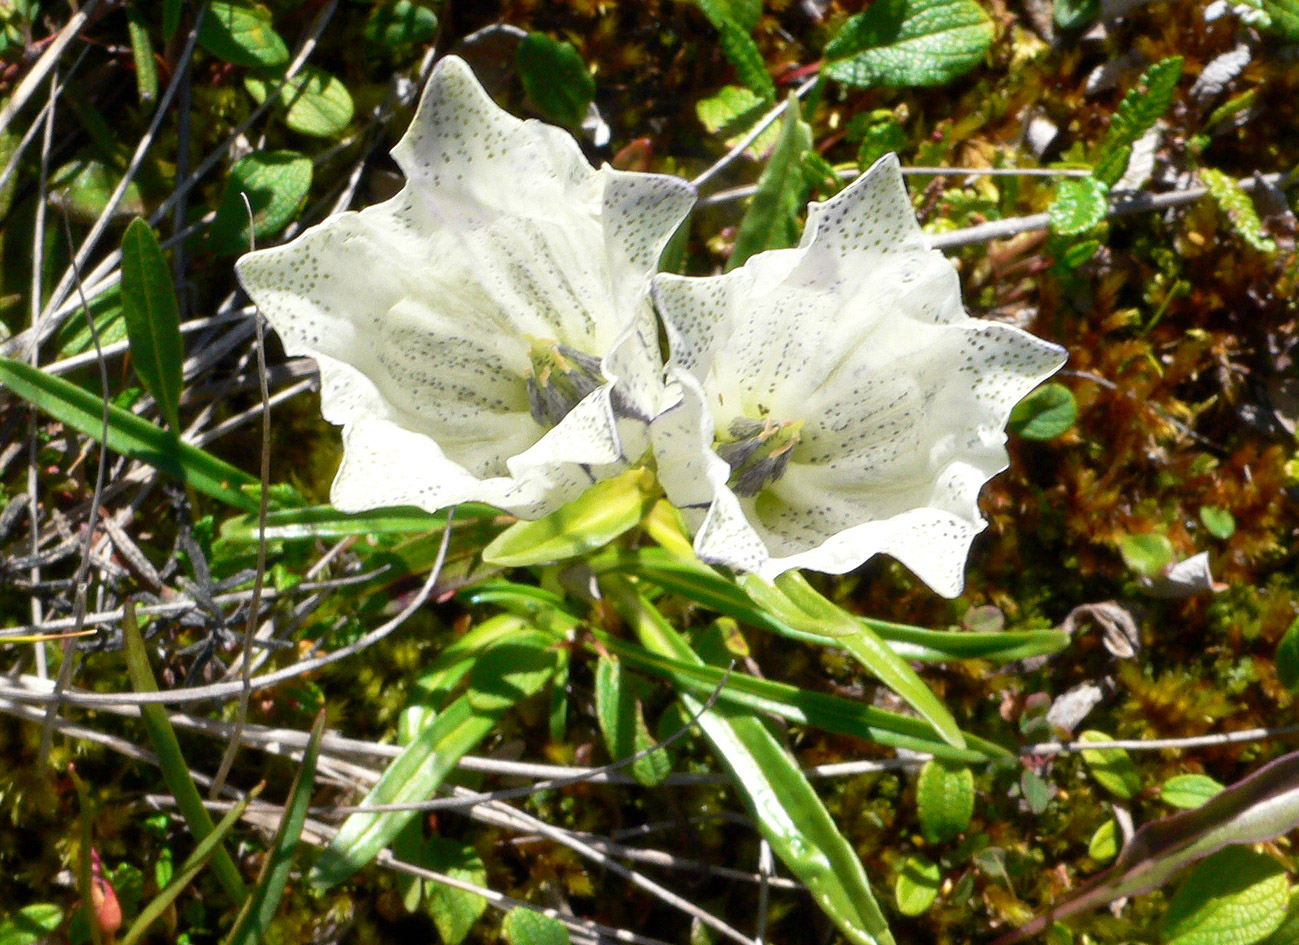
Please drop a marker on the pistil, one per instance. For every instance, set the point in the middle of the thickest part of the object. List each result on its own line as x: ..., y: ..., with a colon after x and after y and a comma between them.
x: 558, y: 378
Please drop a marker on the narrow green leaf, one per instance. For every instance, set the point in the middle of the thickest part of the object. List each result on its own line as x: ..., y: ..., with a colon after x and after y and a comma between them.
x: 1189, y: 791
x: 128, y: 434
x: 146, y: 70
x: 528, y: 927
x: 771, y: 221
x: 241, y: 34
x: 556, y: 78
x: 30, y: 924
x: 1239, y: 208
x: 501, y: 677
x: 944, y: 800
x: 1080, y: 204
x: 175, y: 772
x: 916, y: 886
x: 259, y: 910
x: 1113, y: 768
x: 189, y: 870
x: 1236, y: 896
x: 602, y: 513
x: 152, y: 319
x: 276, y: 183
x: 788, y: 811
x: 1283, y: 18
x: 744, y: 12
x: 909, y: 42
x: 1048, y: 412
x: 622, y: 723
x: 794, y: 601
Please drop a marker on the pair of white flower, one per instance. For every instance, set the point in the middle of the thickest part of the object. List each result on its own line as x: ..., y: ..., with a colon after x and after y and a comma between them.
x: 490, y: 334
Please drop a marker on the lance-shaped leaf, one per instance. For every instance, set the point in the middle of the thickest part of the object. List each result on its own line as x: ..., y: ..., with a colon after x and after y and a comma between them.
x: 152, y: 319
x: 1255, y: 809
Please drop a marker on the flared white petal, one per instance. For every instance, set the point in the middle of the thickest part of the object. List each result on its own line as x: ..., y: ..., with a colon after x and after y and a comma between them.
x: 422, y: 310
x: 858, y: 334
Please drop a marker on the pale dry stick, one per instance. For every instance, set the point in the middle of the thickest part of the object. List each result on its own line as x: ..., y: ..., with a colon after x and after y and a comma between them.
x: 44, y: 65
x: 1121, y: 205
x: 21, y: 148
x: 72, y: 277
x: 68, y: 665
x: 223, y: 690
x: 247, y: 416
x: 259, y: 576
x: 1163, y: 744
x: 33, y: 477
x: 767, y: 878
x: 748, y: 190
x: 753, y: 134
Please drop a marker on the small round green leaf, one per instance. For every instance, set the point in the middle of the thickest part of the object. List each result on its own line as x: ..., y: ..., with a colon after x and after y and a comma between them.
x: 1046, y: 413
x: 316, y: 103
x: 399, y: 22
x: 1147, y: 554
x: 945, y: 800
x: 555, y: 78
x: 1220, y: 522
x: 1104, y: 844
x: 1287, y: 657
x: 1080, y: 204
x: 30, y: 924
x: 276, y: 183
x: 526, y: 927
x: 1112, y: 768
x: 453, y: 911
x: 916, y: 886
x: 1189, y: 790
x: 1235, y: 897
x: 241, y: 34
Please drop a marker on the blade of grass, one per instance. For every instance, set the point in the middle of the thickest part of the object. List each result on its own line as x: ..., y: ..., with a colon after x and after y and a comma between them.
x: 259, y: 909
x: 789, y: 813
x: 174, y: 770
x: 129, y: 435
x: 189, y: 869
x: 152, y: 319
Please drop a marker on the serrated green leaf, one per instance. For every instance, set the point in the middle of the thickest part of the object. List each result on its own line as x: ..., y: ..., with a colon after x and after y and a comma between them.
x: 1235, y: 897
x: 1136, y: 114
x: 731, y: 112
x: 1113, y: 768
x: 241, y: 34
x: 1075, y: 14
x: 276, y: 183
x: 916, y: 886
x: 1189, y: 791
x: 1239, y: 208
x: 527, y: 927
x: 129, y: 435
x: 743, y: 53
x: 771, y: 221
x: 1080, y: 204
x: 1104, y: 844
x: 30, y: 924
x: 1219, y: 521
x: 744, y: 12
x: 399, y: 22
x: 152, y: 319
x: 556, y: 78
x: 602, y: 513
x: 1048, y: 412
x: 1147, y: 554
x: 909, y: 42
x: 944, y: 800
x: 1287, y: 657
x: 454, y: 911
x: 315, y: 102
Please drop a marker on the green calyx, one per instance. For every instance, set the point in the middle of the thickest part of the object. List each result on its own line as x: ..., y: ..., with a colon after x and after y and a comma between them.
x: 558, y: 378
x: 758, y: 452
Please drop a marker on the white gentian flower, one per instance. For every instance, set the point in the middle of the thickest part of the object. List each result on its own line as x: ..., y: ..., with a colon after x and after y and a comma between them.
x: 834, y: 401
x: 486, y: 334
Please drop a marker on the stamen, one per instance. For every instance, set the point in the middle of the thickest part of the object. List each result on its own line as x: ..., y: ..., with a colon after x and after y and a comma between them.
x: 759, y: 453
x: 558, y: 378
